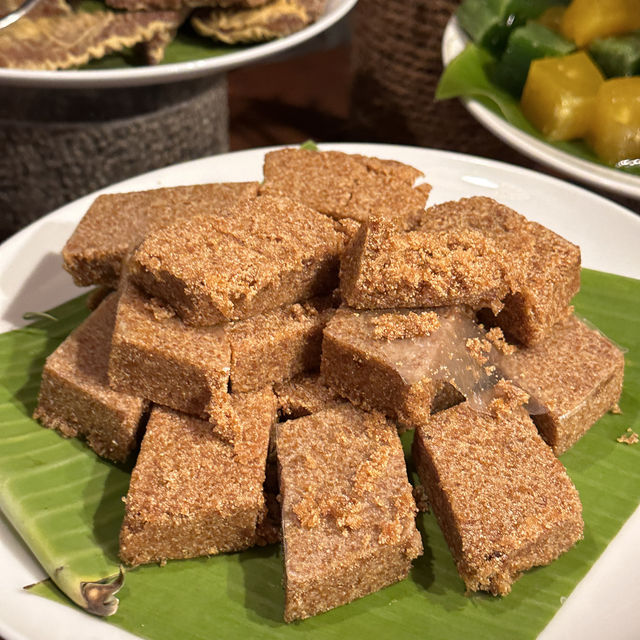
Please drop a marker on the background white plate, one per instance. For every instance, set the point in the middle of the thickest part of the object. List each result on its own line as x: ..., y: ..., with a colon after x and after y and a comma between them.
x: 603, y: 605
x: 164, y: 73
x: 454, y: 41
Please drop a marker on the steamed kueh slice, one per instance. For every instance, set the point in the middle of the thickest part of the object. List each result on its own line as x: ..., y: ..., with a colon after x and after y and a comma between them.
x: 273, y: 20
x: 61, y: 42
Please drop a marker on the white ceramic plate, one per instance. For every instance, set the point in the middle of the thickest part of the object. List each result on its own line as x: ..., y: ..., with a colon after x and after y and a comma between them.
x: 603, y: 605
x: 164, y: 73
x: 454, y: 41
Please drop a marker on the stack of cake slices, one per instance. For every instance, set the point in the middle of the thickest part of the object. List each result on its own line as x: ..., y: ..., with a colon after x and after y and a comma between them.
x: 257, y: 348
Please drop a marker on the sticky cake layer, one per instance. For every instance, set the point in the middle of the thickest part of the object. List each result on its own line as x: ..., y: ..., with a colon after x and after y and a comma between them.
x: 156, y: 356
x: 270, y: 251
x: 75, y: 397
x: 502, y: 499
x: 575, y: 375
x: 117, y: 222
x: 345, y: 185
x: 348, y: 514
x: 192, y: 494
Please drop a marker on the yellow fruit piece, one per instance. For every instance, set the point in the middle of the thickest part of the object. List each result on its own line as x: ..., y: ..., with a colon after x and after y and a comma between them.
x: 559, y: 94
x: 615, y: 131
x: 552, y: 18
x: 585, y: 20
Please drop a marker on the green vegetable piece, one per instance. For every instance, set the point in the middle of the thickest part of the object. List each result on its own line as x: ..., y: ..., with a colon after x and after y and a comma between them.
x: 617, y: 56
x: 526, y: 44
x: 489, y: 22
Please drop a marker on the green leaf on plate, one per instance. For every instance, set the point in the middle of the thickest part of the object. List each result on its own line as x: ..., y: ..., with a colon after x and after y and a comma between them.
x: 66, y: 503
x: 466, y: 77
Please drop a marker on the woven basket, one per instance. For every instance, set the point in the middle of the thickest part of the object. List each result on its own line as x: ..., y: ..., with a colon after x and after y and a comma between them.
x: 59, y: 145
x: 396, y: 64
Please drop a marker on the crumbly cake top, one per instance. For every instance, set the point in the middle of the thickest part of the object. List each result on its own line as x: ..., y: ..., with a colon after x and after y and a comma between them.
x: 345, y: 490
x: 505, y: 485
x: 384, y: 267
x: 305, y: 395
x: 184, y: 469
x: 150, y: 324
x: 396, y: 326
x: 233, y: 258
x: 565, y: 369
x: 83, y: 358
x: 121, y: 220
x: 346, y: 186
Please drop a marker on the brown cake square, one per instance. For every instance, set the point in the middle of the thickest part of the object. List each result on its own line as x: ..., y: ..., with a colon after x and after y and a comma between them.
x: 277, y: 345
x: 75, y: 397
x: 348, y: 514
x: 404, y: 363
x: 574, y: 374
x: 550, y: 263
x: 270, y: 251
x: 117, y: 222
x: 502, y: 499
x: 384, y: 268
x: 156, y: 356
x: 191, y: 494
x: 348, y: 186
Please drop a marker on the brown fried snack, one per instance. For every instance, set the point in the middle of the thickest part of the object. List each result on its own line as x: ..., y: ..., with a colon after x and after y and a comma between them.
x: 192, y: 494
x: 383, y: 268
x: 502, y: 499
x: 270, y: 251
x: 575, y: 376
x: 117, y: 222
x: 550, y: 263
x: 75, y: 398
x: 275, y: 19
x: 348, y: 513
x: 345, y: 185
x: 44, y: 8
x: 64, y: 41
x: 177, y: 5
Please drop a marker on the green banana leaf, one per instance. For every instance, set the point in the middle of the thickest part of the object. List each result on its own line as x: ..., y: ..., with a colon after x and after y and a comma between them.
x: 65, y: 502
x: 467, y: 76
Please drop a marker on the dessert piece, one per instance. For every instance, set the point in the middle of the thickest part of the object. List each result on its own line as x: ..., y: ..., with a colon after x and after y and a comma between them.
x: 156, y: 356
x: 348, y: 514
x: 275, y: 19
x: 69, y: 40
x: 192, y: 494
x: 117, y: 222
x: 575, y: 376
x: 75, y: 398
x: 385, y: 268
x: 409, y: 375
x: 270, y: 251
x: 550, y: 263
x: 504, y: 502
x: 277, y: 345
x: 304, y: 395
x: 343, y: 185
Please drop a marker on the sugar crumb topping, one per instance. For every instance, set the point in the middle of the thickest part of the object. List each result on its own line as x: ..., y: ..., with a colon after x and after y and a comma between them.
x: 398, y: 326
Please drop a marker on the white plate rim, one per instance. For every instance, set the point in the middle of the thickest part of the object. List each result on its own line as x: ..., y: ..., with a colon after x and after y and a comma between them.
x: 177, y: 71
x: 453, y: 42
x: 578, y: 614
